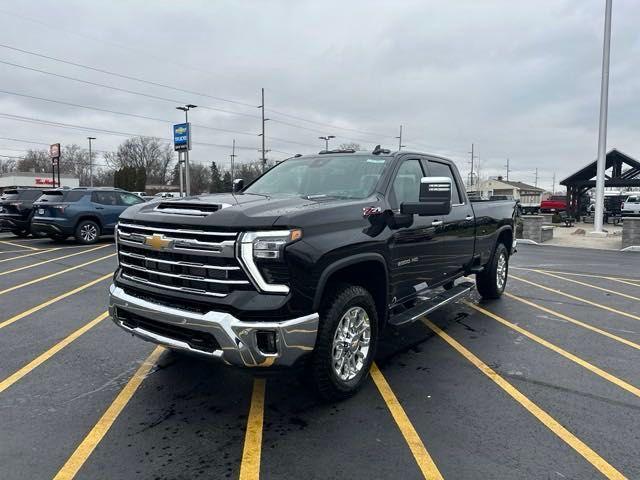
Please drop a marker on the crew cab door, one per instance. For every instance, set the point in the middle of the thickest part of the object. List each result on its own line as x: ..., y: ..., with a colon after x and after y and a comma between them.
x: 456, y: 233
x: 413, y: 242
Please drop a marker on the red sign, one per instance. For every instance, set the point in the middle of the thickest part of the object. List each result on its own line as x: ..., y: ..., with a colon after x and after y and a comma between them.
x: 44, y: 181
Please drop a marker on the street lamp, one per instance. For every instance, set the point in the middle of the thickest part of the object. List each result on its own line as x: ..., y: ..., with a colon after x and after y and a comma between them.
x: 187, y: 178
x: 326, y: 139
x: 90, y: 162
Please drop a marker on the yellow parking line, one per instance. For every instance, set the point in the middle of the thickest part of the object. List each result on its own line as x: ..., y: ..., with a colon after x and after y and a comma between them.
x: 37, y: 264
x: 568, y: 355
x: 571, y: 320
x: 36, y: 362
x: 40, y: 251
x: 547, y: 420
x: 18, y: 245
x: 51, y: 301
x: 425, y: 462
x: 251, y: 452
x: 630, y: 281
x: 584, y: 284
x: 100, y: 429
x: 574, y: 297
x: 54, y: 274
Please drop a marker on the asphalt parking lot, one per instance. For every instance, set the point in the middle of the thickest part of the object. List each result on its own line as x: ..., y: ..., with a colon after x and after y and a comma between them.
x: 542, y: 384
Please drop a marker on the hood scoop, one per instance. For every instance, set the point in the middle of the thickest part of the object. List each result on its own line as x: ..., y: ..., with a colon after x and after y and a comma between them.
x: 192, y: 209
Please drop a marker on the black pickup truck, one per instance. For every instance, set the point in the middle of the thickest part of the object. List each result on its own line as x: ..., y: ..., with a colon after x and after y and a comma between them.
x: 307, y: 264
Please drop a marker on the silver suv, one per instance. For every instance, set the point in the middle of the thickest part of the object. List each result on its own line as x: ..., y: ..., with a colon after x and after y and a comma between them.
x: 631, y: 206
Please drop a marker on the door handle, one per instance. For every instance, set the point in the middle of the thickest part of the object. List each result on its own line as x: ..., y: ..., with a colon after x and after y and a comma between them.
x: 99, y: 208
x: 437, y: 223
x: 469, y: 217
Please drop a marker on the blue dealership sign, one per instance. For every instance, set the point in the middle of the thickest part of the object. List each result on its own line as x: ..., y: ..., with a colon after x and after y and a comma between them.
x: 182, y: 136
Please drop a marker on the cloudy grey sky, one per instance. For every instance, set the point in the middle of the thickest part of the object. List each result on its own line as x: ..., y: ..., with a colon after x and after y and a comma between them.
x: 520, y: 79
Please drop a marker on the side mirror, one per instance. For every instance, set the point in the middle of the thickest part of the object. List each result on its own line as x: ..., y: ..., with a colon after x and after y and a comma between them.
x: 238, y: 185
x: 435, y: 198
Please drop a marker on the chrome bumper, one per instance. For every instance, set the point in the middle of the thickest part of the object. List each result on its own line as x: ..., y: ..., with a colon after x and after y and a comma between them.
x: 237, y: 339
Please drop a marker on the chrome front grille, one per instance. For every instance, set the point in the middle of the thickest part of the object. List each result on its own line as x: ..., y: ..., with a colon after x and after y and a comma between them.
x: 180, y: 259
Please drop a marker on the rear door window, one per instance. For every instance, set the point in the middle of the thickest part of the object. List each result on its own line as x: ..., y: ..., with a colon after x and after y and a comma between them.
x: 437, y: 169
x: 105, y: 198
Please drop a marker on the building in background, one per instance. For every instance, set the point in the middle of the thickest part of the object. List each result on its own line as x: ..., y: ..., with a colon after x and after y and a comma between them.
x: 528, y: 195
x: 30, y: 179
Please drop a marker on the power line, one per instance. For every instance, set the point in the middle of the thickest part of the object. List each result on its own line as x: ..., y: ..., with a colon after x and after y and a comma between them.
x: 127, y: 77
x: 21, y: 118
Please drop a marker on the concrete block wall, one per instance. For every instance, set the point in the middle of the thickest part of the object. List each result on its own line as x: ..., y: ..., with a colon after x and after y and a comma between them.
x: 630, y: 231
x: 532, y: 227
x: 548, y: 218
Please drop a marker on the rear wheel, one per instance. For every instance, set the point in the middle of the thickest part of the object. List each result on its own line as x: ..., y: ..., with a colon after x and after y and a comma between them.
x: 87, y: 232
x: 492, y: 281
x: 346, y: 344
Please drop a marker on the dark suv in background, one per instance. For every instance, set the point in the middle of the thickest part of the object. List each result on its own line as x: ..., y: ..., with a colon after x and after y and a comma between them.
x: 85, y: 213
x: 16, y: 210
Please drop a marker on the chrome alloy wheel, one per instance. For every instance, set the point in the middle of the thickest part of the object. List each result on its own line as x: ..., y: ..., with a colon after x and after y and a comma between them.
x: 351, y: 343
x: 88, y: 232
x: 501, y: 271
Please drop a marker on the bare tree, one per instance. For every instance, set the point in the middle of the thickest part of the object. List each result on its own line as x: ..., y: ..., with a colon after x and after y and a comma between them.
x: 350, y: 146
x: 74, y: 160
x: 146, y: 152
x: 200, y: 177
x: 8, y: 165
x: 35, y: 161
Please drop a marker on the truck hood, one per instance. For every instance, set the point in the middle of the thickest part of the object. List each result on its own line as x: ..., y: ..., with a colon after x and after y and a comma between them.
x: 237, y: 211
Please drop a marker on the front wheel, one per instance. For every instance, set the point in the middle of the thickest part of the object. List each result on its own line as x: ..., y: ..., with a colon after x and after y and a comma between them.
x: 492, y: 281
x: 346, y: 343
x: 20, y: 233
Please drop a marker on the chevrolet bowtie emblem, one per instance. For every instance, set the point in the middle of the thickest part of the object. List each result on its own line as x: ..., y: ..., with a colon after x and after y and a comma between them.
x: 157, y: 241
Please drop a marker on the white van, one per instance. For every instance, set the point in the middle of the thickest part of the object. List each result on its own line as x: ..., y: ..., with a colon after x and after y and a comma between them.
x: 631, y: 206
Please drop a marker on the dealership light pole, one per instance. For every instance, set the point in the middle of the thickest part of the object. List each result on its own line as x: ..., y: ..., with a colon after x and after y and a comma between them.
x: 399, y: 137
x: 90, y: 162
x: 187, y: 178
x: 326, y: 139
x: 602, y: 133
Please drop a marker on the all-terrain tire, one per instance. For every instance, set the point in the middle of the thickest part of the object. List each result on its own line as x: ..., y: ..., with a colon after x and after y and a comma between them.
x: 325, y: 379
x: 492, y: 281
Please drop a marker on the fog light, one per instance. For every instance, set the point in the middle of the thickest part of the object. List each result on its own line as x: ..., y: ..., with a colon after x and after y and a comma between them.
x: 266, y: 342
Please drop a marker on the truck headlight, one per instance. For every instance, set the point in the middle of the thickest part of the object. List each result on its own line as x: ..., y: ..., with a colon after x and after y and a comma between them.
x: 265, y: 246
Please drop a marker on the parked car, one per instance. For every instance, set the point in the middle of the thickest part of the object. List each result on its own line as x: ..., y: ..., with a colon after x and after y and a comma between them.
x: 631, y: 206
x: 16, y: 210
x: 85, y: 213
x: 307, y: 264
x: 555, y: 203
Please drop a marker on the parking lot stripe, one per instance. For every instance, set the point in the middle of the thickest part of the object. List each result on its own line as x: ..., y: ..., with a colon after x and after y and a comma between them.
x: 547, y: 420
x: 78, y: 458
x: 630, y: 281
x: 53, y: 300
x: 251, y: 452
x: 39, y: 360
x: 584, y: 284
x: 574, y: 297
x: 568, y: 355
x: 37, y: 264
x: 425, y: 462
x: 54, y: 274
x: 18, y: 245
x: 571, y: 320
x: 39, y: 252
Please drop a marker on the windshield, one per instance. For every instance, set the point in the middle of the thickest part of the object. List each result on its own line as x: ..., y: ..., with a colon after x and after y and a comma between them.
x: 352, y: 176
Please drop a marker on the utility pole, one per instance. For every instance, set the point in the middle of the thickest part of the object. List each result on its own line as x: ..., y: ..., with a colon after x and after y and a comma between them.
x: 473, y: 157
x: 233, y: 158
x: 399, y: 137
x: 264, y: 158
x: 536, y: 184
x: 553, y: 188
x: 90, y: 162
x: 602, y: 131
x: 187, y: 177
x: 508, y: 169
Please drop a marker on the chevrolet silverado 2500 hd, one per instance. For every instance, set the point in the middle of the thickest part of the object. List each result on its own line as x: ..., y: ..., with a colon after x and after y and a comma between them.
x: 308, y: 263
